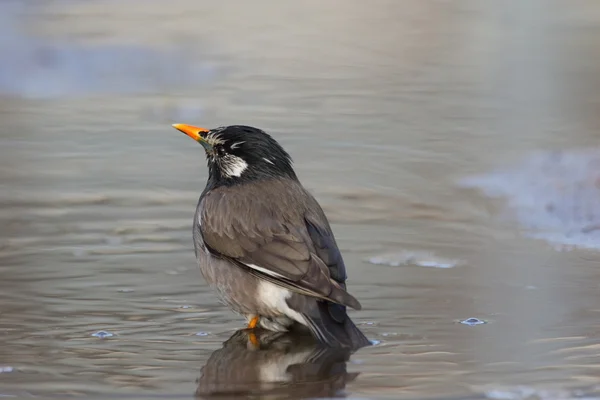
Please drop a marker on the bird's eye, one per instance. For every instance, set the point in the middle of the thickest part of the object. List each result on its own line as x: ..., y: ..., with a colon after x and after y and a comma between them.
x: 220, y: 151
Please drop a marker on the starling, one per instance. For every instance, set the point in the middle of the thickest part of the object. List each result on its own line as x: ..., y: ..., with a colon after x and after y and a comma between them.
x: 263, y: 242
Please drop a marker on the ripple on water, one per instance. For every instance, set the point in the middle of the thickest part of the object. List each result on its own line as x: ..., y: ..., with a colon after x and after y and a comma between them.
x: 103, y: 334
x: 473, y: 321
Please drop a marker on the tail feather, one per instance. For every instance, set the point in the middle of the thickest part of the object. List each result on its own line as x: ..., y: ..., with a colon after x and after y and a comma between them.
x: 330, y: 324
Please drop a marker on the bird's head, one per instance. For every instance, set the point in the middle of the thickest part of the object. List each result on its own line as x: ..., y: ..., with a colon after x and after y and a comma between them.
x: 238, y: 153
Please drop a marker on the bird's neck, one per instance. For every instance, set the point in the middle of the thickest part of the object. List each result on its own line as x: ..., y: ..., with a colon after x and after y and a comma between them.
x: 217, y: 179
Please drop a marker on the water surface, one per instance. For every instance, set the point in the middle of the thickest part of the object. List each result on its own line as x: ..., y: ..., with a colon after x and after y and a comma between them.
x: 416, y: 124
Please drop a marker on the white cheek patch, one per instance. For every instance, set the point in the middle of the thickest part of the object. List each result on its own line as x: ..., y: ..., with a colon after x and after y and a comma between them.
x: 232, y: 166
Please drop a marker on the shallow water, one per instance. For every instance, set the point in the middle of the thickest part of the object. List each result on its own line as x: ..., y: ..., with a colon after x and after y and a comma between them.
x: 428, y: 130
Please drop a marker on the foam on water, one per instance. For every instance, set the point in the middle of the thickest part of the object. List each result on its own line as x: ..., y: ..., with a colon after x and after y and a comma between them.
x: 421, y: 259
x: 552, y: 195
x: 528, y: 392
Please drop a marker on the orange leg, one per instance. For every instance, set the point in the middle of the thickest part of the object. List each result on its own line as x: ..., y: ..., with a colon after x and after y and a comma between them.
x: 253, y: 322
x: 253, y: 340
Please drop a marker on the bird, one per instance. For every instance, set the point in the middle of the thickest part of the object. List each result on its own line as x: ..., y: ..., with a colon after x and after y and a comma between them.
x: 264, y: 243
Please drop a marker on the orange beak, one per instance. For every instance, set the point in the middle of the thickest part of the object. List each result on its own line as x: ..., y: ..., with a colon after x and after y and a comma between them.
x: 191, y: 131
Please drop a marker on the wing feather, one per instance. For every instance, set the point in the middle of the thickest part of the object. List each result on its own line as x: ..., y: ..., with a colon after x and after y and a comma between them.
x: 290, y: 246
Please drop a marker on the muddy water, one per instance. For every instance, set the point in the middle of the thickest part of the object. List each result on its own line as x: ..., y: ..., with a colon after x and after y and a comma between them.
x: 444, y: 140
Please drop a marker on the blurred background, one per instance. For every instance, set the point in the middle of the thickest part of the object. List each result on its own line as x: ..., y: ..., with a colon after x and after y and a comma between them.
x: 453, y: 145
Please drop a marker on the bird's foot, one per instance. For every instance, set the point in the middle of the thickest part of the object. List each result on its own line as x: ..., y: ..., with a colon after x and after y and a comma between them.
x: 275, y: 324
x: 253, y: 322
x: 253, y: 342
x: 280, y: 324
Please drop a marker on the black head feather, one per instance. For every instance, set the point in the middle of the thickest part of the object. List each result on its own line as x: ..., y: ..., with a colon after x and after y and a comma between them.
x: 242, y: 153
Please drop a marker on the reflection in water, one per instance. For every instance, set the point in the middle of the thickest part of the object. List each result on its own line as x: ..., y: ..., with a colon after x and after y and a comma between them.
x: 284, y: 364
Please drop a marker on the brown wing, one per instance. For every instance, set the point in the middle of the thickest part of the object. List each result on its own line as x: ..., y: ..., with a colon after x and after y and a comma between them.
x: 273, y: 240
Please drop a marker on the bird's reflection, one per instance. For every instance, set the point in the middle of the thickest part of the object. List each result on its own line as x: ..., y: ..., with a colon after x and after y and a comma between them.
x: 274, y: 364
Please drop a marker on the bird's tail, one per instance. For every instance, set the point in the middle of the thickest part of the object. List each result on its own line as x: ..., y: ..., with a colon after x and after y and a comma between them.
x: 330, y: 324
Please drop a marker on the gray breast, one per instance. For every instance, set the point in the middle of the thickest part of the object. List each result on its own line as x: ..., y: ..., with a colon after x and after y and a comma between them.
x: 235, y: 287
